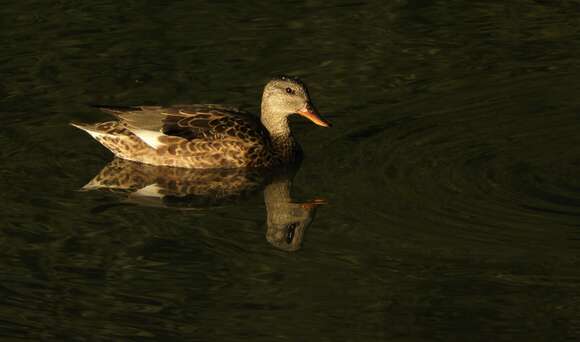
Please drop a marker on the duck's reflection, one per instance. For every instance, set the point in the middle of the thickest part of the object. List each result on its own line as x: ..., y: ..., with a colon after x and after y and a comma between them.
x: 182, y: 188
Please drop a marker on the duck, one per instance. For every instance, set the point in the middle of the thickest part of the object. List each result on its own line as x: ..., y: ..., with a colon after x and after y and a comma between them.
x: 210, y: 136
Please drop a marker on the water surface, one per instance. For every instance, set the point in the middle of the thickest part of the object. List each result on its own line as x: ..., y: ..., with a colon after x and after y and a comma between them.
x: 450, y: 175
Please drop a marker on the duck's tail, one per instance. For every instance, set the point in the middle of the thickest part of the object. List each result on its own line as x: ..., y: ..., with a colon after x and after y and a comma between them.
x: 92, y: 129
x: 113, y: 136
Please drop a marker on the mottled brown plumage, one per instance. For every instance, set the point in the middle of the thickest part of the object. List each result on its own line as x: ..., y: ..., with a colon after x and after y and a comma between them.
x: 209, y: 136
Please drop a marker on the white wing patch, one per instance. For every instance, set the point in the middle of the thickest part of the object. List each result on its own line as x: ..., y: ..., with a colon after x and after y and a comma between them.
x: 151, y: 138
x: 152, y: 190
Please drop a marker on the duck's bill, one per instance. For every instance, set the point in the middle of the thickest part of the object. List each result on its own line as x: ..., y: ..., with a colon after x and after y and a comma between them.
x: 313, y: 203
x: 310, y: 113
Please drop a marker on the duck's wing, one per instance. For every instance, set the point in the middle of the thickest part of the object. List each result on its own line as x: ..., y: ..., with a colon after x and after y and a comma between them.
x: 157, y: 126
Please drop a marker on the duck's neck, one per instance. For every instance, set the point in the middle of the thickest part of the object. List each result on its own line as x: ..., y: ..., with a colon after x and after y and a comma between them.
x: 277, y: 196
x: 283, y: 143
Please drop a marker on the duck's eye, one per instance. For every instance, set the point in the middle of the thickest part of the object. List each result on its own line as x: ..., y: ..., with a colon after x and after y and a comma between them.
x: 291, y: 228
x: 289, y: 91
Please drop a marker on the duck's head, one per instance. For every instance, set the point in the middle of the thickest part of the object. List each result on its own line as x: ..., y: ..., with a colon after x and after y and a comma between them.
x: 284, y: 96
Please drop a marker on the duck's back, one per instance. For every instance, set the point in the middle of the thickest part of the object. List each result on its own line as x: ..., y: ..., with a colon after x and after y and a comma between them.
x: 192, y: 136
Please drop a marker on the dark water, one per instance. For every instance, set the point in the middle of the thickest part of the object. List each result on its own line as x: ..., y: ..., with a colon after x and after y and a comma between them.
x: 451, y: 176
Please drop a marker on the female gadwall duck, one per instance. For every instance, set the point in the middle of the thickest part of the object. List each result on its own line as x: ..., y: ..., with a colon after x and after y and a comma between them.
x: 210, y: 136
